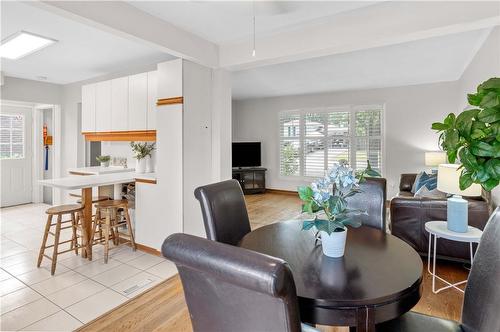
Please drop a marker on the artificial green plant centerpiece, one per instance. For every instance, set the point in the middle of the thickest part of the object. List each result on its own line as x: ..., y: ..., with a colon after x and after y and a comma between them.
x: 474, y: 137
x: 325, y: 200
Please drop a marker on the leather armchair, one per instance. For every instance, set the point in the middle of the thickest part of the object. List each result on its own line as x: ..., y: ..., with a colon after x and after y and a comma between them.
x: 224, y: 211
x: 409, y: 215
x: 371, y: 199
x: 481, y: 298
x: 229, y: 288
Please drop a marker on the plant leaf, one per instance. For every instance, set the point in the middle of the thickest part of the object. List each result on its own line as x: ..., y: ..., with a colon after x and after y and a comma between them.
x: 307, y: 225
x: 490, y: 100
x: 491, y: 84
x: 489, y: 115
x: 439, y: 126
x: 492, y: 166
x: 450, y: 120
x: 468, y: 159
x: 475, y: 98
x: 305, y: 193
x: 490, y: 184
x: 452, y: 155
x: 483, y: 149
x: 464, y: 121
x: 465, y: 181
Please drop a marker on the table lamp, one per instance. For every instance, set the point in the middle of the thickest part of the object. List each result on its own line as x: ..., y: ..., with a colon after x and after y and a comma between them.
x: 448, y: 182
x: 435, y: 158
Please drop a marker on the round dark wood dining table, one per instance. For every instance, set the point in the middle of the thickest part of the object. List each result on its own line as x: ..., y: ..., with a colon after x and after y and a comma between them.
x: 378, y: 279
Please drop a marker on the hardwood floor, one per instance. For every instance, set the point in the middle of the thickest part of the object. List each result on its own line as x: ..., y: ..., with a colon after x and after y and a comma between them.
x: 163, y: 307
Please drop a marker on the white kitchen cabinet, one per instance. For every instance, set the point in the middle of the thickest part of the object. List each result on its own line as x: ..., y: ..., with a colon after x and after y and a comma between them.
x: 103, y: 106
x: 151, y: 226
x: 119, y: 104
x: 170, y: 79
x: 137, y: 101
x: 152, y: 93
x: 88, y: 108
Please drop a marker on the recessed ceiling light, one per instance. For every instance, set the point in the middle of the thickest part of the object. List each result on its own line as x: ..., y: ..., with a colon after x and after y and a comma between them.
x: 23, y: 43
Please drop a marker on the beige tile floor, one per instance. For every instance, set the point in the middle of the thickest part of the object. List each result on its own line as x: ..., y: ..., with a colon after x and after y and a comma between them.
x: 80, y: 291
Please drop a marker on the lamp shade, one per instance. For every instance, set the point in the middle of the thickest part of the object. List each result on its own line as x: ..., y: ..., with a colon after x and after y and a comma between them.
x: 448, y: 181
x: 435, y: 158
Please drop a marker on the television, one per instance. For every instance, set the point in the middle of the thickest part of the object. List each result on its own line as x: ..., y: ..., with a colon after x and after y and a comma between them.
x: 246, y: 154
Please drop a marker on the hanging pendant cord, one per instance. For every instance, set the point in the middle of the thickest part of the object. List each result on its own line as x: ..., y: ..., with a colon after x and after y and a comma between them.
x: 253, y: 9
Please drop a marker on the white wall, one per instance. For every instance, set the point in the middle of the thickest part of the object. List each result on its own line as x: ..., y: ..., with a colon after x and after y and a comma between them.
x: 409, y: 113
x: 19, y: 89
x: 486, y: 64
x: 221, y: 125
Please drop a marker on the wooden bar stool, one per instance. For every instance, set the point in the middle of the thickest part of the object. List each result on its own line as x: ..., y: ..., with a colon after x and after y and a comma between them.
x: 75, y: 211
x: 109, y: 217
x: 95, y: 199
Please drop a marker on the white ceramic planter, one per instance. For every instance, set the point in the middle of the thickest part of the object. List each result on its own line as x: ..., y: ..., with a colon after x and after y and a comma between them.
x: 149, y: 164
x: 333, y: 245
x: 105, y: 164
x: 140, y: 166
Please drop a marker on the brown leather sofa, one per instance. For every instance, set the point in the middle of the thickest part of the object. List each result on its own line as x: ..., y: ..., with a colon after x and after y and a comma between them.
x: 409, y: 215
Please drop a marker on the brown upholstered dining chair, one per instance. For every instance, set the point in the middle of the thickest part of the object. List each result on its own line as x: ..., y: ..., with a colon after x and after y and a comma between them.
x: 372, y: 200
x: 228, y: 288
x: 224, y: 211
x: 481, y: 298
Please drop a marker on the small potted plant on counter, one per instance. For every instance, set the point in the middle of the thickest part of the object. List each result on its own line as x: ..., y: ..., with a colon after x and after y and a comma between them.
x: 141, y: 151
x: 104, y: 160
x: 324, y: 202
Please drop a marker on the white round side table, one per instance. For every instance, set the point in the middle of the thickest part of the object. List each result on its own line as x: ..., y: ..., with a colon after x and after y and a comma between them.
x: 439, y: 229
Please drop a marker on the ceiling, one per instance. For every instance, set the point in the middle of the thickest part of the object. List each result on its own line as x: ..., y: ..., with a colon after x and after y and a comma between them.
x: 225, y: 21
x: 425, y: 61
x: 82, y: 52
x: 302, y: 46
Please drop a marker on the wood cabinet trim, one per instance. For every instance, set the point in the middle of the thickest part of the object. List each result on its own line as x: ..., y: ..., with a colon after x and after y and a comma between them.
x: 170, y: 101
x: 150, y: 181
x: 130, y: 135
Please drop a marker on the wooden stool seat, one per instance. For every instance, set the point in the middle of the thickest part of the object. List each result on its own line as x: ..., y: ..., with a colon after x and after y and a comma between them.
x: 64, y: 209
x: 96, y: 199
x: 112, y: 203
x: 109, y: 217
x: 75, y: 211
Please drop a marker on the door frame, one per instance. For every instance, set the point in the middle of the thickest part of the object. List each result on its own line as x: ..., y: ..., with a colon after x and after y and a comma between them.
x: 37, y: 146
x: 38, y: 149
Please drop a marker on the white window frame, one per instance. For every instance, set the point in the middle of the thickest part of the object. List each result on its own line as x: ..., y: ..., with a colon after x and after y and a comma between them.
x: 351, y: 108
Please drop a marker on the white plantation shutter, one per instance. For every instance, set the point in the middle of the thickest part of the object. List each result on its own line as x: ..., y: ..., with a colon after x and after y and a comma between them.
x: 368, y: 140
x: 311, y: 141
x: 11, y: 136
x: 290, y: 144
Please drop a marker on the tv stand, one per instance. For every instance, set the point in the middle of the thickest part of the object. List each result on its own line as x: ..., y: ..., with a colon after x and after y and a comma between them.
x: 252, y: 179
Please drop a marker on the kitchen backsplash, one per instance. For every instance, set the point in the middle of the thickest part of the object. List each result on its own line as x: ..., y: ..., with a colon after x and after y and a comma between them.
x: 121, y: 150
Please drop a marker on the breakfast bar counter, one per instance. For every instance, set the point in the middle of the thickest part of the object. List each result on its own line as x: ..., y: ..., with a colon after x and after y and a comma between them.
x: 85, y: 183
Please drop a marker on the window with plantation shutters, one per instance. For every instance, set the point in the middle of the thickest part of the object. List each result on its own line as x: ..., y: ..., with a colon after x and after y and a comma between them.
x: 312, y: 140
x: 11, y: 136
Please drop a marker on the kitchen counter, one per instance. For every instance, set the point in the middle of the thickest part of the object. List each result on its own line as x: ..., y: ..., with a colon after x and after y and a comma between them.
x: 79, y: 182
x: 97, y: 170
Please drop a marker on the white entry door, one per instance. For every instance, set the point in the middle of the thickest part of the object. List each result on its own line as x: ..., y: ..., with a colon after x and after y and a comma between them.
x: 15, y: 155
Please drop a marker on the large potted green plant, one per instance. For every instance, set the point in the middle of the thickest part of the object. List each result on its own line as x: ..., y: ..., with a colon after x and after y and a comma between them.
x: 474, y: 137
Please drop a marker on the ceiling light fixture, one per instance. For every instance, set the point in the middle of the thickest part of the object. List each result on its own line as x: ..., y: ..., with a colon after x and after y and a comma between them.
x: 253, y: 8
x: 23, y: 43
